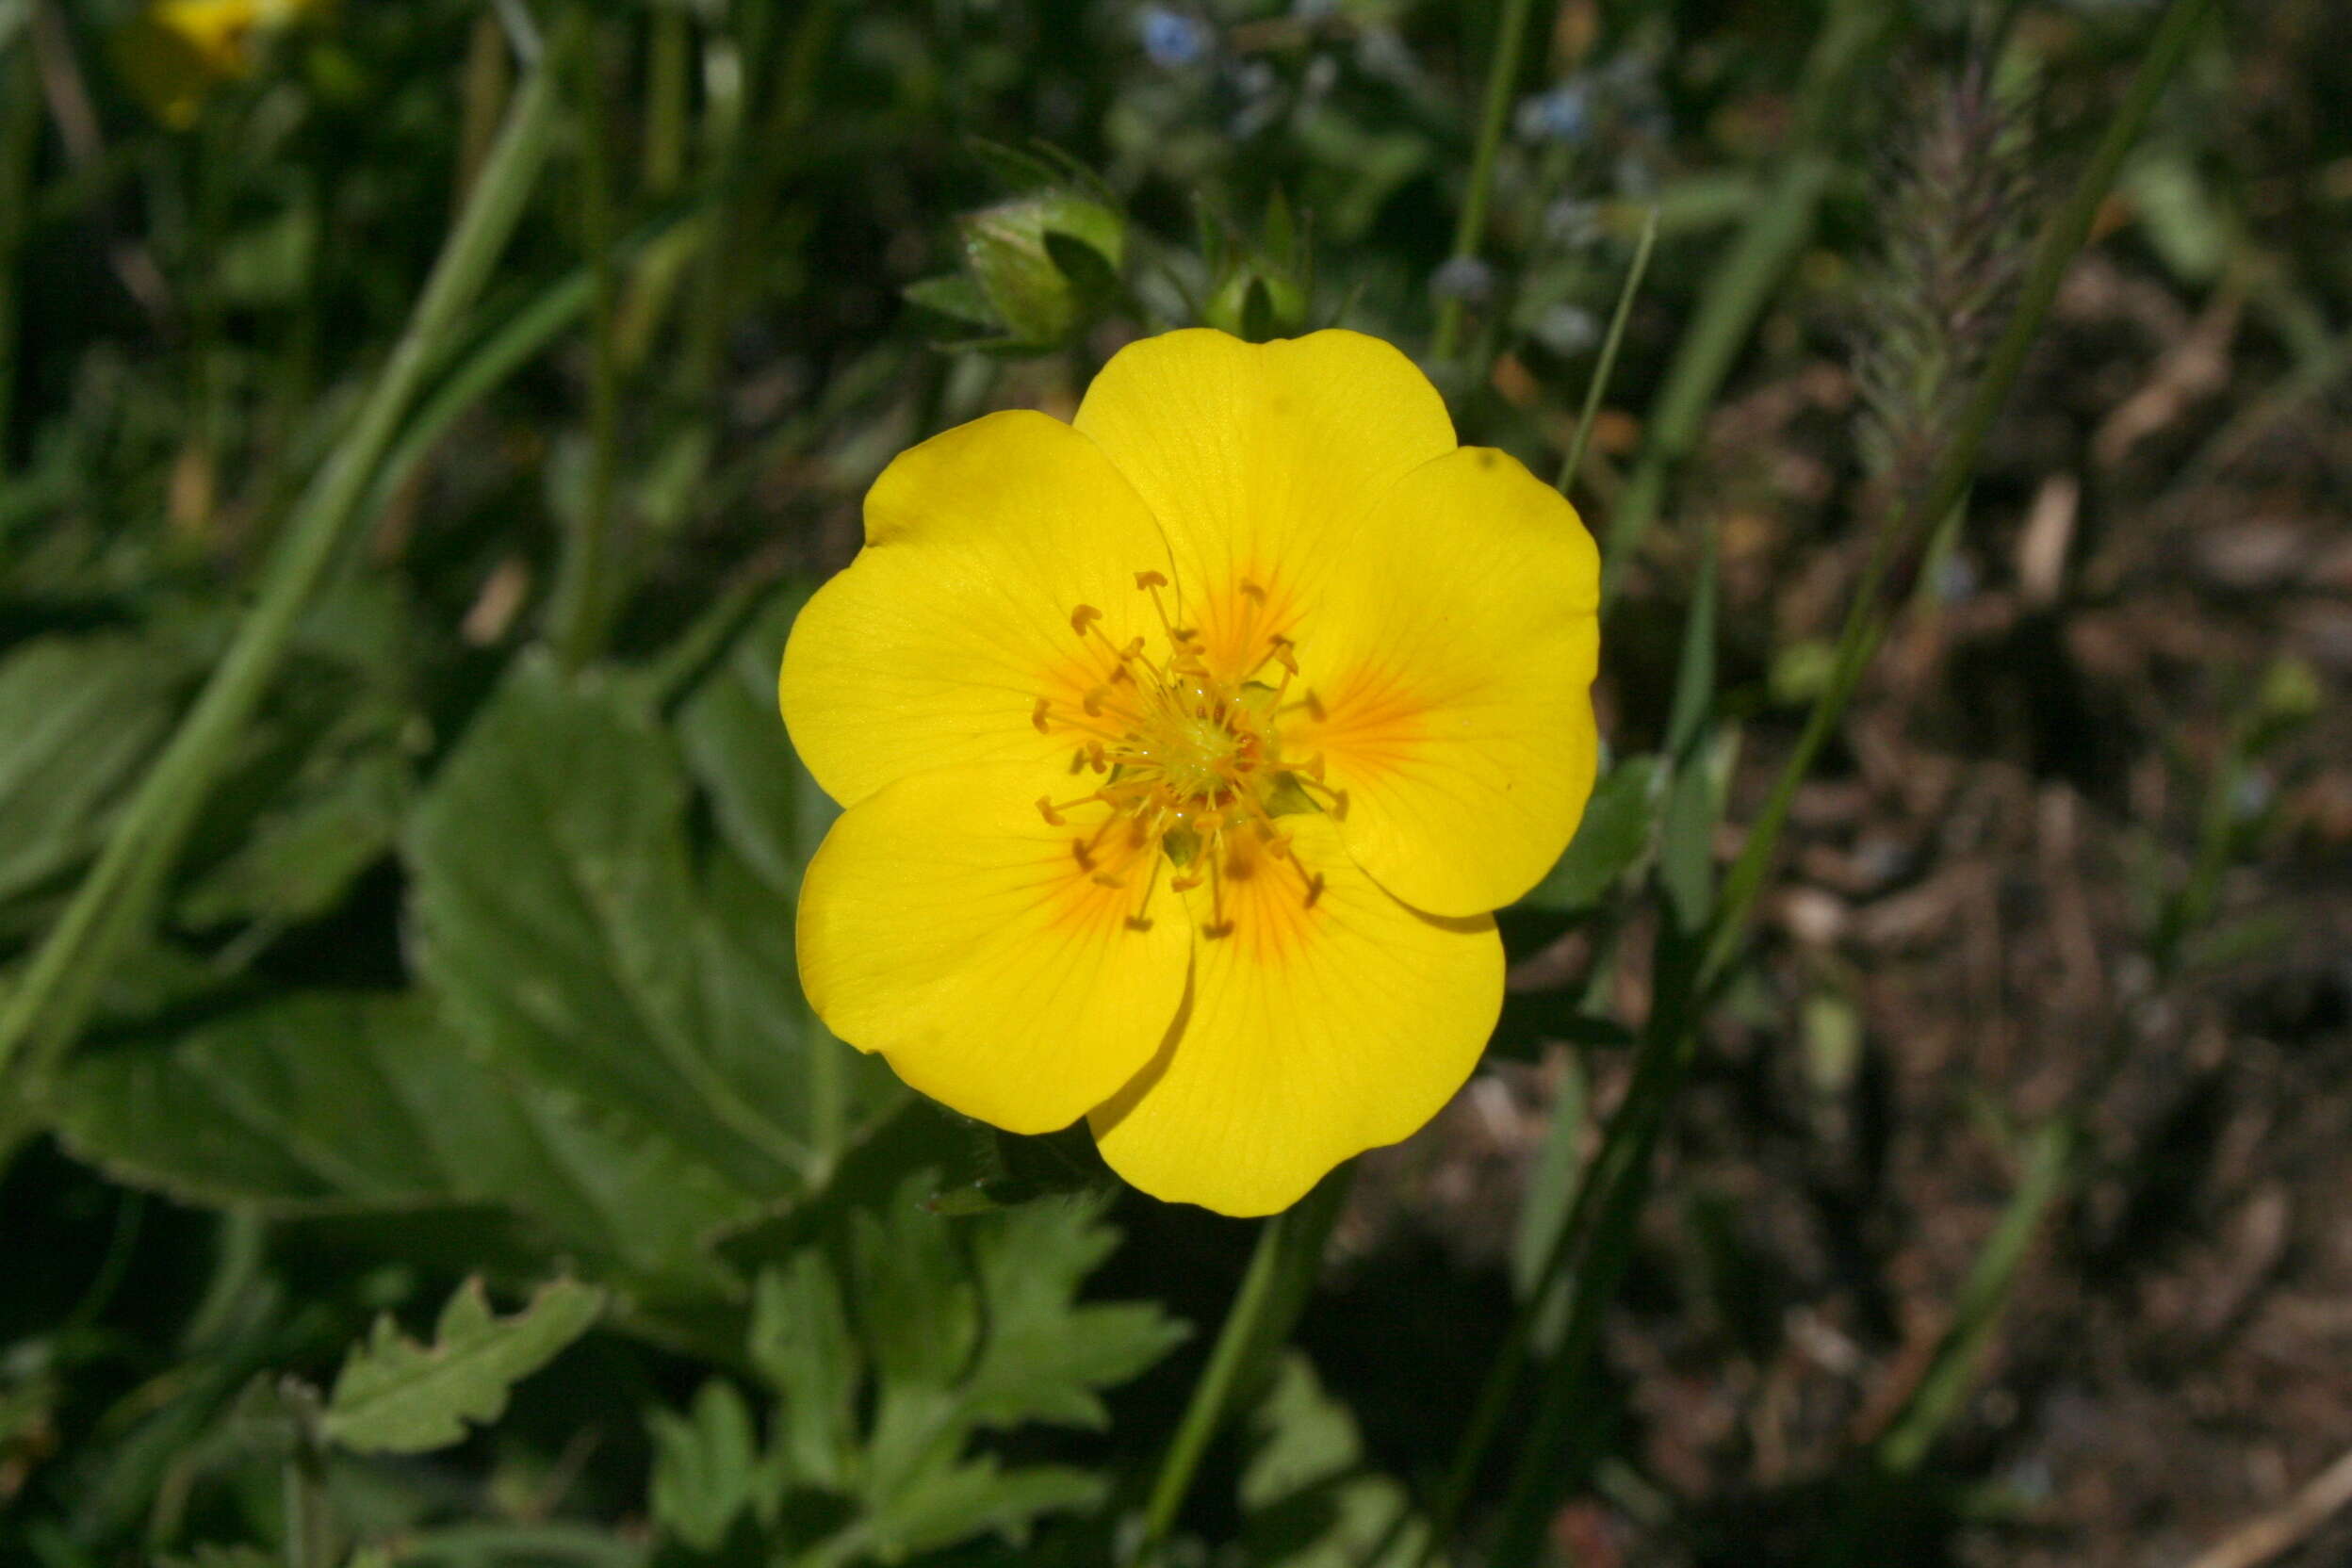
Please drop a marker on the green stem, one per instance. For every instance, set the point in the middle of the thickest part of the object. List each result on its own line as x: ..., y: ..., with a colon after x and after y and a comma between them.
x: 1736, y: 295
x: 1273, y: 1292
x: 1573, y: 460
x: 1941, y: 1393
x: 1594, y: 1246
x: 1866, y: 624
x: 1501, y: 75
x: 51, y: 1001
x: 584, y: 597
x: 20, y: 145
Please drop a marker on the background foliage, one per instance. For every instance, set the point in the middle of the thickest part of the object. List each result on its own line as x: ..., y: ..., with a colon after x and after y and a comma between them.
x: 416, y: 1149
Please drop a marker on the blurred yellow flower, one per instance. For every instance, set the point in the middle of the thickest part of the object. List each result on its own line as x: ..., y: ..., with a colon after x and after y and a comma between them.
x: 1187, y: 749
x: 177, y: 50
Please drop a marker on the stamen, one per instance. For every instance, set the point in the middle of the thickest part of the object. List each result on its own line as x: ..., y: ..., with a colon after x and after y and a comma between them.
x: 1038, y: 715
x: 1141, y: 919
x: 1219, y: 925
x: 1151, y: 580
x: 1082, y: 617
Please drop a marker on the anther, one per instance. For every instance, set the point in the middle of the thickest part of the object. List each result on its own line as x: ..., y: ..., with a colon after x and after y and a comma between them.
x: 1104, y: 879
x: 1314, y: 706
x: 1092, y: 702
x: 1151, y: 580
x: 1280, y: 653
x: 1037, y: 714
x: 1314, y: 889
x: 1053, y: 818
x: 1082, y: 617
x: 1251, y: 591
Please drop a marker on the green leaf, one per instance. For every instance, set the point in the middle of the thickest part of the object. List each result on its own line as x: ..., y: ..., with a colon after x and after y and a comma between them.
x: 708, y: 1468
x: 771, y: 816
x: 305, y: 853
x: 558, y: 913
x: 341, y: 1102
x: 953, y: 296
x: 1613, y: 835
x: 956, y: 1327
x: 1045, y: 1355
x: 396, y: 1395
x: 957, y: 1502
x: 1694, y: 804
x: 1306, y: 1499
x: 768, y: 810
x: 802, y: 1344
x: 80, y: 716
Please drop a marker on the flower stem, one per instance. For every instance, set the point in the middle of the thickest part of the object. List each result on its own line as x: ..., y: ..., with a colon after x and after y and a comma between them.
x: 585, y: 597
x: 1574, y: 458
x: 1589, y: 1256
x: 51, y: 1001
x: 20, y: 145
x: 1502, y: 73
x: 1948, y: 481
x: 1738, y: 293
x: 1273, y: 1292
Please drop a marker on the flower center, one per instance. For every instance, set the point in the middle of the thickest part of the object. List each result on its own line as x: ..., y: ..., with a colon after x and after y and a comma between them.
x: 1190, y: 764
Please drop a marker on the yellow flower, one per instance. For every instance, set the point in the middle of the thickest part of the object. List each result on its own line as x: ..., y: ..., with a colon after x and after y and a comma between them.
x: 1187, y: 750
x: 177, y: 50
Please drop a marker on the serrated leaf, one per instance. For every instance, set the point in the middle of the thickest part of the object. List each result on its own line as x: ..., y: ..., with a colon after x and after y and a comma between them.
x: 708, y: 1470
x: 771, y: 816
x: 78, y: 717
x: 1307, y: 1500
x: 558, y: 914
x: 305, y: 853
x: 1046, y: 1353
x: 336, y: 1102
x: 957, y: 1502
x: 953, y: 296
x: 1615, y: 831
x: 801, y: 1343
x: 396, y: 1395
x: 955, y: 1328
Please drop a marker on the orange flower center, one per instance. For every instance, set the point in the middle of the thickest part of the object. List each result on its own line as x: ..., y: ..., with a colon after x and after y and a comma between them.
x: 1190, y: 764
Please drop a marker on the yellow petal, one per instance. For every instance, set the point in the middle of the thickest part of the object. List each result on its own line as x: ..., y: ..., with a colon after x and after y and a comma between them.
x: 1260, y: 461
x: 1450, y: 668
x: 1313, y: 1031
x: 944, y: 924
x: 933, y: 648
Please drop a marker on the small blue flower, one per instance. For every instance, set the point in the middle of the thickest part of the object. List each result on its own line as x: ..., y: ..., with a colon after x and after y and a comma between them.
x: 2253, y: 794
x: 1956, y: 581
x: 1566, y: 330
x: 1464, y: 278
x: 1563, y: 114
x: 1171, y: 39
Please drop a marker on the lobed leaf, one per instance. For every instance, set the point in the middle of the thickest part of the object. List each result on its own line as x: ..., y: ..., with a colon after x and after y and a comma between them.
x: 396, y: 1395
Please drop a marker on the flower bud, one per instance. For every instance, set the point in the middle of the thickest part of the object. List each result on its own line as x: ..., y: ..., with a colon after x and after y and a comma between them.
x: 1047, y: 263
x: 1255, y: 301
